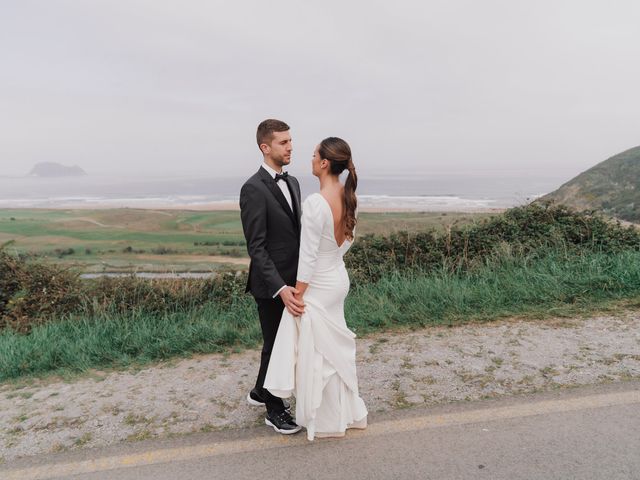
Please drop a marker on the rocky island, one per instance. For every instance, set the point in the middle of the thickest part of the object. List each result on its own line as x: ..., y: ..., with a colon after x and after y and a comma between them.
x: 53, y: 169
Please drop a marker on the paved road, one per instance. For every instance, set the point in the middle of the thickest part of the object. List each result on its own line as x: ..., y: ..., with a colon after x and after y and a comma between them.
x: 586, y: 433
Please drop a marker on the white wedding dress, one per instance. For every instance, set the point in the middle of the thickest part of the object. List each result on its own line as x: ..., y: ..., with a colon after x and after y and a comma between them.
x: 314, y: 356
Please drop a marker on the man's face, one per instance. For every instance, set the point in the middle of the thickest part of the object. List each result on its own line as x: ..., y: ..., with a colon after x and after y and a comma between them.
x: 279, y: 150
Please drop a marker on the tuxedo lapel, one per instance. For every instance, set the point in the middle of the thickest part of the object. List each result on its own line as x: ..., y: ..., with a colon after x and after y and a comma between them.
x: 295, y: 200
x: 275, y: 190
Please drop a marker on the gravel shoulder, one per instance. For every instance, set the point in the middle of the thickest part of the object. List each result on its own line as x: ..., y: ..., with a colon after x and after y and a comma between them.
x: 395, y: 369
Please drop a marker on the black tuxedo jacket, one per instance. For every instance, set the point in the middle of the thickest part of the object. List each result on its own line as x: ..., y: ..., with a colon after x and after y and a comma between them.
x: 272, y: 232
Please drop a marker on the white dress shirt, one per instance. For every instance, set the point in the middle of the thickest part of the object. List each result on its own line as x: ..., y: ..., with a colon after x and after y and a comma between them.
x: 287, y: 195
x: 282, y: 184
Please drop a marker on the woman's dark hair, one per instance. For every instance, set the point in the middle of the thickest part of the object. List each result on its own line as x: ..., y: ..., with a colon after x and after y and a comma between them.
x: 338, y: 152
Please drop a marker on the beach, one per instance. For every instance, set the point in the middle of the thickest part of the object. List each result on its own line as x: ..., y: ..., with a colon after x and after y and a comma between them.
x: 464, y: 192
x: 231, y: 206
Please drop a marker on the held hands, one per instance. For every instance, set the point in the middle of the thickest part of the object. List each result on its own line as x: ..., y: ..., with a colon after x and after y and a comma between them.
x: 292, y: 301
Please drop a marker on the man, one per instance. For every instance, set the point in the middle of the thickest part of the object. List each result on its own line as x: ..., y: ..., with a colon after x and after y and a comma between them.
x: 270, y: 210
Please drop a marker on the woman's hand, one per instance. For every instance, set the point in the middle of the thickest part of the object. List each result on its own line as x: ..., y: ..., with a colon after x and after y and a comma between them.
x: 301, y: 287
x: 293, y: 303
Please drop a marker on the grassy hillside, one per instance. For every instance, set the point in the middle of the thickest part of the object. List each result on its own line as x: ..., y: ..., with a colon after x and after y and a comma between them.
x: 612, y: 186
x: 123, y: 240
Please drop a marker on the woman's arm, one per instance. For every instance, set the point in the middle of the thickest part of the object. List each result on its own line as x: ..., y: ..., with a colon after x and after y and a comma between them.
x: 312, y: 222
x: 301, y: 287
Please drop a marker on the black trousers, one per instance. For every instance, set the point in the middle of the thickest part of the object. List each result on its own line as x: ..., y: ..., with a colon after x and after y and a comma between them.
x: 270, y: 311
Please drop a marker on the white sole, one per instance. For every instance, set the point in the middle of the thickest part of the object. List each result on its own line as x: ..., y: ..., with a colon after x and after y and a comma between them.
x: 283, y: 432
x: 253, y: 402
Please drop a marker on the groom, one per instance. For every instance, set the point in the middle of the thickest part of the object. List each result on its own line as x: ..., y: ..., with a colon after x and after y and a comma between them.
x: 270, y: 210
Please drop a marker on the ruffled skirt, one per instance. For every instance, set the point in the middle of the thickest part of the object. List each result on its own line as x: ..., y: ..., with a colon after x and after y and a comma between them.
x: 314, y: 358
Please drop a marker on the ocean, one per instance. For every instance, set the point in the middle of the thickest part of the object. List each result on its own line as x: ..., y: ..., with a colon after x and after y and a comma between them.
x: 420, y: 192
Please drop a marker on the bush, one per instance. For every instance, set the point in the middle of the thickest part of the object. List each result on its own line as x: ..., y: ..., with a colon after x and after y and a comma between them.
x: 31, y: 293
x: 520, y: 230
x: 63, y: 252
x: 126, y: 294
x: 162, y: 250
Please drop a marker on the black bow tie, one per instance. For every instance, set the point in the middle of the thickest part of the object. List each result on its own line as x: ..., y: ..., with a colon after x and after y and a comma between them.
x: 282, y: 176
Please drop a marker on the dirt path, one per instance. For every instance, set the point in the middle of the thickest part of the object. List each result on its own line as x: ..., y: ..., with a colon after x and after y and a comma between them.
x: 154, y: 259
x: 429, y: 366
x: 88, y: 220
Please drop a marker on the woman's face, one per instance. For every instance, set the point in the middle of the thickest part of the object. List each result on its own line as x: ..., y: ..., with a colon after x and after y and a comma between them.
x: 317, y: 162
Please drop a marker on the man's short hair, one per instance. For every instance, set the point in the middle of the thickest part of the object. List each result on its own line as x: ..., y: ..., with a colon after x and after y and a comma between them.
x: 266, y: 129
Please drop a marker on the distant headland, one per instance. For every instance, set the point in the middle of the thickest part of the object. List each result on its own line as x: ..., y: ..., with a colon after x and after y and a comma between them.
x: 612, y: 186
x: 53, y: 169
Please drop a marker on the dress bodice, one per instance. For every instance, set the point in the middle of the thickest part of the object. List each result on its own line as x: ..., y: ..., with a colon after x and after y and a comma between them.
x: 319, y: 250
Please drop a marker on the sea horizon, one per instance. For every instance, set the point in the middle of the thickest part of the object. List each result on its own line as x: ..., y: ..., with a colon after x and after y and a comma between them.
x: 419, y: 192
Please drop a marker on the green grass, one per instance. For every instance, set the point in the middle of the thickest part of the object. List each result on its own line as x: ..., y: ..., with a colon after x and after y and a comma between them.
x: 76, y: 344
x: 99, y: 237
x: 508, y: 287
x: 539, y: 287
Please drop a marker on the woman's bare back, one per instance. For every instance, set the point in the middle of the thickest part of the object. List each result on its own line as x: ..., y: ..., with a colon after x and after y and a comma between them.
x: 335, y: 201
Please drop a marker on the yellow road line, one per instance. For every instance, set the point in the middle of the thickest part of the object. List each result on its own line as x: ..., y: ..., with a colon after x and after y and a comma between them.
x: 181, y: 454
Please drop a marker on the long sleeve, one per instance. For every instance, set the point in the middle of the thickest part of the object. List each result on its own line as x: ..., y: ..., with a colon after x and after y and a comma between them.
x: 253, y: 213
x: 313, y: 217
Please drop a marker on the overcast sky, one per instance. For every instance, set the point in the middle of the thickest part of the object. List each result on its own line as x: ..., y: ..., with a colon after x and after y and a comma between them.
x: 159, y: 86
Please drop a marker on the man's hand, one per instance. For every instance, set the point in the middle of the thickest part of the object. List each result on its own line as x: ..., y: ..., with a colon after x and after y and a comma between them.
x: 295, y: 306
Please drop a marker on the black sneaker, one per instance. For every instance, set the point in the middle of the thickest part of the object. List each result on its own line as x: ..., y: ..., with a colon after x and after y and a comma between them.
x: 282, y: 423
x: 255, y: 399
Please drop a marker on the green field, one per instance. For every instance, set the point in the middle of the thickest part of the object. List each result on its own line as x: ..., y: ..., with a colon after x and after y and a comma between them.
x: 125, y: 240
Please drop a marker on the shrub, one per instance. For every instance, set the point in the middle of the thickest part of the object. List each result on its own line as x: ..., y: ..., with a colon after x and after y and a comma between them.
x: 162, y: 250
x: 521, y: 230
x: 31, y: 293
x: 63, y: 252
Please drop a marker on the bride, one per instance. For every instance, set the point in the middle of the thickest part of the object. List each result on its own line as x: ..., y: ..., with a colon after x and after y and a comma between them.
x: 314, y: 355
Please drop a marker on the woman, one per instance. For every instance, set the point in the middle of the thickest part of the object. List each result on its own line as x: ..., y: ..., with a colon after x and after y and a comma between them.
x: 314, y: 355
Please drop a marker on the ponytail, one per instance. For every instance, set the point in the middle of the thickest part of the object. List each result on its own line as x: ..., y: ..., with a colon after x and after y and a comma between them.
x: 350, y: 201
x: 338, y: 152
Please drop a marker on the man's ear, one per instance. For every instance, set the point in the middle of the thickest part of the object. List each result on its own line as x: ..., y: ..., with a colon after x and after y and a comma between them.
x: 264, y: 148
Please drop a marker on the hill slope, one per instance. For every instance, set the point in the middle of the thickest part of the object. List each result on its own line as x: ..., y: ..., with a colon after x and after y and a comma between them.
x: 612, y: 186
